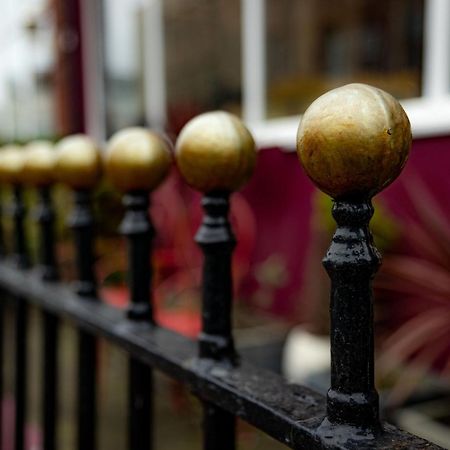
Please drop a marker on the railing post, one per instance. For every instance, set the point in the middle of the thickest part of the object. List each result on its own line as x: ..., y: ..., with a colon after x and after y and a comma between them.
x: 78, y: 166
x: 2, y: 214
x: 2, y: 294
x: 352, y: 142
x: 39, y: 171
x: 81, y: 221
x: 12, y: 162
x: 136, y: 162
x: 18, y: 210
x: 137, y: 227
x: 217, y: 241
x: 21, y: 325
x: 351, y: 263
x: 13, y: 159
x: 2, y: 355
x: 216, y: 155
x: 45, y: 217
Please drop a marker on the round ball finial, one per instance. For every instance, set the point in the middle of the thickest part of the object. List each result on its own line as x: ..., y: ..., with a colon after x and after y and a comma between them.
x: 353, y: 141
x: 137, y: 159
x: 12, y: 161
x: 40, y: 162
x: 78, y: 162
x: 215, y: 151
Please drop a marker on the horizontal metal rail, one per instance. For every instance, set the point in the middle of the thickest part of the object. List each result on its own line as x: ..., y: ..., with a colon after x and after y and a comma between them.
x: 289, y: 413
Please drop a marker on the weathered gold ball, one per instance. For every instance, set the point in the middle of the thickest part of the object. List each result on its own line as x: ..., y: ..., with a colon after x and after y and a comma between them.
x: 12, y: 160
x: 353, y: 141
x: 137, y: 159
x: 78, y: 162
x: 215, y: 151
x: 40, y: 163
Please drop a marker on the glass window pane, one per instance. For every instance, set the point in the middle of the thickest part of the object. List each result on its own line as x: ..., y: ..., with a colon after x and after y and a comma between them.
x: 316, y: 45
x: 202, y: 42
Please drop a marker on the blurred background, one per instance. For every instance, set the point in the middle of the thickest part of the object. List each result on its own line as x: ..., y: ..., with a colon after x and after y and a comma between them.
x: 69, y: 66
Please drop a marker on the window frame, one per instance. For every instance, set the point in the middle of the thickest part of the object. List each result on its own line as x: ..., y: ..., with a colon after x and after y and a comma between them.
x: 429, y: 114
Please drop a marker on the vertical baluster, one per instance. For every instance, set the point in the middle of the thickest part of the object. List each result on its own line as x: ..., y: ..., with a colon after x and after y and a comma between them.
x: 2, y: 308
x: 2, y: 236
x: 352, y: 142
x: 136, y: 162
x: 13, y: 162
x: 2, y: 341
x: 18, y: 211
x: 216, y: 155
x: 351, y: 263
x: 21, y: 322
x: 45, y: 217
x: 81, y: 221
x: 216, y: 341
x: 217, y: 242
x: 137, y: 227
x: 78, y: 165
x: 50, y: 380
x: 39, y: 172
x: 20, y: 370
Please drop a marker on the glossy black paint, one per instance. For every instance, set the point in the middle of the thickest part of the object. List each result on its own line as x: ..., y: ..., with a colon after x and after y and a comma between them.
x: 138, y: 229
x: 140, y: 404
x: 219, y: 428
x: 20, y: 371
x: 50, y: 375
x: 2, y: 233
x: 22, y: 261
x: 82, y: 223
x: 87, y: 391
x: 217, y: 241
x: 45, y: 216
x: 351, y: 262
x: 2, y: 321
x: 2, y: 344
x: 18, y: 214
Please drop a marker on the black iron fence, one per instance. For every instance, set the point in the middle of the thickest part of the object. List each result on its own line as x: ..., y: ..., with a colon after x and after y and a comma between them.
x: 216, y: 155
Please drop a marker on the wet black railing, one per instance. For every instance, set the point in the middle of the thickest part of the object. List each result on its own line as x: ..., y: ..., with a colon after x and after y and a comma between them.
x: 348, y: 152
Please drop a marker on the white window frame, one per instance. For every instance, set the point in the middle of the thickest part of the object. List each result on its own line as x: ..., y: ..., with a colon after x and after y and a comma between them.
x: 429, y: 114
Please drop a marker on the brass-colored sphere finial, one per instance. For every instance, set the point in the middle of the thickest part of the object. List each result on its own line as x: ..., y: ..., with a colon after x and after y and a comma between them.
x: 78, y: 162
x: 215, y: 151
x: 40, y: 163
x: 137, y: 159
x: 353, y: 141
x: 12, y: 160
